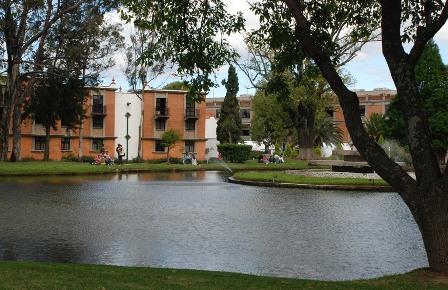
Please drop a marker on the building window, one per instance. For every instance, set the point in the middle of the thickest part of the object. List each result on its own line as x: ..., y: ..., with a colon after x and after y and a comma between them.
x: 97, y: 144
x: 97, y: 106
x: 190, y: 110
x: 65, y: 144
x: 386, y: 109
x: 160, y: 124
x: 39, y: 143
x: 158, y: 146
x: 97, y: 121
x: 189, y: 146
x: 218, y: 112
x: 245, y: 114
x: 190, y: 124
x: 330, y: 113
x: 362, y: 111
x: 162, y: 106
x: 245, y: 132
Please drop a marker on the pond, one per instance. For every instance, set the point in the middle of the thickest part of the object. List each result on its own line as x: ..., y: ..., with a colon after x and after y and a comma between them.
x: 197, y: 220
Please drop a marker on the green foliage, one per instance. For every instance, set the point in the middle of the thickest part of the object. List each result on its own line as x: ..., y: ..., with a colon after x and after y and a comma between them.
x: 431, y: 76
x: 170, y: 137
x: 229, y: 125
x: 178, y: 85
x: 326, y: 131
x: 318, y: 151
x: 191, y: 34
x: 374, y: 126
x: 268, y: 121
x: 235, y: 153
x: 288, y: 151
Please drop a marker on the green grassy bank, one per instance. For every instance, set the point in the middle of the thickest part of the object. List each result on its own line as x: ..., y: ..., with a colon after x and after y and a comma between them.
x: 59, y: 167
x: 25, y: 275
x: 283, y: 177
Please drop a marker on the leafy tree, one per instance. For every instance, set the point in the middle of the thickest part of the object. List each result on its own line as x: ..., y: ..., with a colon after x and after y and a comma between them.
x: 169, y: 139
x: 268, y: 121
x: 139, y: 73
x: 432, y: 79
x: 375, y: 126
x: 300, y: 87
x: 229, y: 124
x: 313, y: 24
x: 28, y: 30
x: 326, y: 131
x: 57, y: 98
x: 199, y: 44
x: 178, y: 85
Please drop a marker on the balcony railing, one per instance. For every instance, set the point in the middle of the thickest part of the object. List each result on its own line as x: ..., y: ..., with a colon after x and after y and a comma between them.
x: 191, y: 114
x: 161, y: 113
x: 99, y: 110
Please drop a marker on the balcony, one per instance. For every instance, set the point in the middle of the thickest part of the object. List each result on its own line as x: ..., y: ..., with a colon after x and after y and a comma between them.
x: 161, y: 113
x: 99, y: 110
x: 191, y: 114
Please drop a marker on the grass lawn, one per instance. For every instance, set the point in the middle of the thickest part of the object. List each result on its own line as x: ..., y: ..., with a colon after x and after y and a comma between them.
x: 59, y: 167
x: 26, y: 275
x: 282, y: 177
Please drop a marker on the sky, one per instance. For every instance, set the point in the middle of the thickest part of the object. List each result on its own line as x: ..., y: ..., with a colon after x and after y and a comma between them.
x: 369, y: 69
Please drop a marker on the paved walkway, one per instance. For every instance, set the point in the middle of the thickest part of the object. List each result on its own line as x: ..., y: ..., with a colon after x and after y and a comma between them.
x: 325, y: 173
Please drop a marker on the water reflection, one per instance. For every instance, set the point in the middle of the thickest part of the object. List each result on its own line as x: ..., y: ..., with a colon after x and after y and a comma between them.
x: 197, y: 220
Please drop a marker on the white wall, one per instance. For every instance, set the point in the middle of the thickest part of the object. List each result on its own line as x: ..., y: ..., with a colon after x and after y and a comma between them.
x: 127, y: 102
x: 210, y: 134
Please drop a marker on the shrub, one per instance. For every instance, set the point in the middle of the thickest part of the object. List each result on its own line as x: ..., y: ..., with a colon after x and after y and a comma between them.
x: 318, y: 151
x: 254, y: 154
x: 29, y: 159
x: 236, y: 153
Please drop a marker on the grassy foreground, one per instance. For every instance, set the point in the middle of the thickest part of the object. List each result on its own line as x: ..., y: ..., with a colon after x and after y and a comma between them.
x: 59, y: 167
x: 25, y: 275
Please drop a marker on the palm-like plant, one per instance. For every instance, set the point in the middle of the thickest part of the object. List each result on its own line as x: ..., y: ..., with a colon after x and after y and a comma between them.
x: 375, y: 126
x: 325, y: 131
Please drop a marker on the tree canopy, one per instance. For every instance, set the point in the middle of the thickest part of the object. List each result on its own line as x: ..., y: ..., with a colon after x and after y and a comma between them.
x: 169, y: 139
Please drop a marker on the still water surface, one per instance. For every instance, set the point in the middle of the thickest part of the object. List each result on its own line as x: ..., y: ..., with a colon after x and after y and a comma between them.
x: 197, y: 220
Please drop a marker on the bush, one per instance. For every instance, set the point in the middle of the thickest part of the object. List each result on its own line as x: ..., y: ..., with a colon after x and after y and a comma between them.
x: 235, y: 153
x: 173, y: 160
x: 318, y: 151
x: 87, y: 159
x: 254, y: 154
x: 29, y: 159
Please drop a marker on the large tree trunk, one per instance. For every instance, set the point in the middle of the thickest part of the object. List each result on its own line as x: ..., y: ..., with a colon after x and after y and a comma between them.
x: 427, y: 196
x: 17, y: 133
x: 431, y: 215
x: 306, y: 144
x: 5, y: 123
x: 305, y: 130
x: 47, y: 143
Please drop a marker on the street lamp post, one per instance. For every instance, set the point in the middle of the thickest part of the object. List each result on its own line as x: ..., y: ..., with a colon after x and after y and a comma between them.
x: 127, y: 115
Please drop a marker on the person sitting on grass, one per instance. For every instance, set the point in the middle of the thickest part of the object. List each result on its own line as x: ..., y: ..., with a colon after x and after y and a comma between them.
x: 97, y: 160
x: 107, y: 158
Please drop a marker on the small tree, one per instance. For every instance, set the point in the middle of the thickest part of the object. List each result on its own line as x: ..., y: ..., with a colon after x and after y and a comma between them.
x: 169, y: 140
x: 229, y: 125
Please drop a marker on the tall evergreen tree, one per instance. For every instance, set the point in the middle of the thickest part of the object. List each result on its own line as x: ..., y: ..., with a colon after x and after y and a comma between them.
x: 229, y: 124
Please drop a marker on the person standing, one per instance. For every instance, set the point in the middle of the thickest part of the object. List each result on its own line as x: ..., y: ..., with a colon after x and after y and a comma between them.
x: 120, y: 154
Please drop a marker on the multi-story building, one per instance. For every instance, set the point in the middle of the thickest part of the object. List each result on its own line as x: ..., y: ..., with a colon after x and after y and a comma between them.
x: 166, y: 109
x: 375, y: 101
x: 116, y: 117
x: 97, y: 131
x: 245, y: 102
